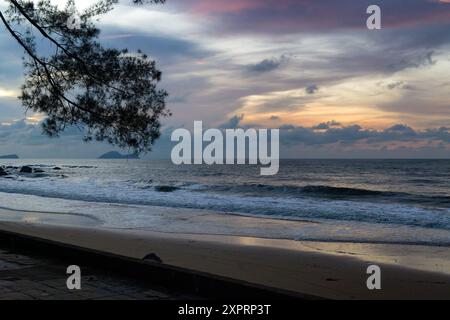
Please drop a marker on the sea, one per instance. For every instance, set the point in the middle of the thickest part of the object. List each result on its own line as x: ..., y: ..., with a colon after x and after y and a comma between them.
x: 398, y: 201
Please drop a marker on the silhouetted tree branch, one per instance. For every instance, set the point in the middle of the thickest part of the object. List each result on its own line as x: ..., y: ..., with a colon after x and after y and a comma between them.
x: 110, y: 93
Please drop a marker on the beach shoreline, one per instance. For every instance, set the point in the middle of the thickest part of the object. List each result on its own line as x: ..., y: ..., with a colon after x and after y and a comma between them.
x: 179, y: 220
x: 324, y: 269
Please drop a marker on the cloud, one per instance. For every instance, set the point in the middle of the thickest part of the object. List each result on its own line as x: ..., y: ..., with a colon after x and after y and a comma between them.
x: 294, y: 16
x: 267, y: 65
x: 233, y: 122
x: 28, y: 141
x: 420, y: 59
x: 400, y: 131
x: 311, y: 89
x: 7, y: 93
x: 400, y: 85
x: 324, y: 139
x: 352, y: 134
x: 326, y: 125
x: 165, y: 49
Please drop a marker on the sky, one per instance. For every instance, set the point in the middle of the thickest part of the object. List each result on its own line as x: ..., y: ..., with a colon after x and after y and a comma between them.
x: 308, y: 67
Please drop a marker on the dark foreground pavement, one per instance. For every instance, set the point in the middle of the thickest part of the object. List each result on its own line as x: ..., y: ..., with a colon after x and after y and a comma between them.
x: 35, y: 268
x: 29, y: 278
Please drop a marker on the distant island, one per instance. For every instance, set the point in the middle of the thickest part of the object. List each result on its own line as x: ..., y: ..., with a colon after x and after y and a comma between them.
x: 117, y: 155
x: 10, y: 156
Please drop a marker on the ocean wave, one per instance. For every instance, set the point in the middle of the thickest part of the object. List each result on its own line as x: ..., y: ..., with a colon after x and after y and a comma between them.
x: 342, y: 191
x: 330, y: 192
x: 166, y: 189
x: 333, y: 192
x: 118, y: 216
x: 300, y: 190
x: 87, y: 189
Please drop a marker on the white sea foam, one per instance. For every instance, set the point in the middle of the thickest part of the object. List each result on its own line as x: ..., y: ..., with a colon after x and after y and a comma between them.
x: 123, y: 195
x: 176, y: 220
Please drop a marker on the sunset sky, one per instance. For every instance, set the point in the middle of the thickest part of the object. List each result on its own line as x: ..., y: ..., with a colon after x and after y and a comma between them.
x: 309, y: 67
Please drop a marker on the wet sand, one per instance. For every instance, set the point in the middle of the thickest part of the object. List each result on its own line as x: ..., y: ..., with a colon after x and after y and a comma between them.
x: 329, y: 270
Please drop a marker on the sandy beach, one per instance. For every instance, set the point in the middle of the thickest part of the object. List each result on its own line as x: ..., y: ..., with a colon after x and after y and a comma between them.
x: 325, y: 269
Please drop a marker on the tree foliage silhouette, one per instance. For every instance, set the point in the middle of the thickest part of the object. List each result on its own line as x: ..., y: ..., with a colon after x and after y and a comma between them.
x: 110, y: 94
